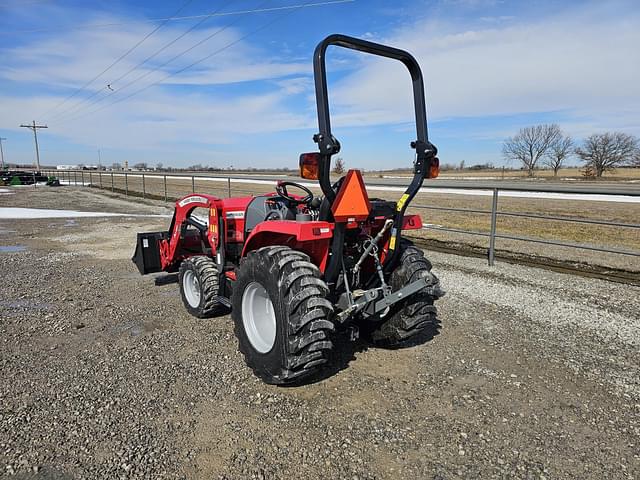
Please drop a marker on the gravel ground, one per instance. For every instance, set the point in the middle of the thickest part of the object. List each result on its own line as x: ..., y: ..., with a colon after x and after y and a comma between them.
x: 534, y: 374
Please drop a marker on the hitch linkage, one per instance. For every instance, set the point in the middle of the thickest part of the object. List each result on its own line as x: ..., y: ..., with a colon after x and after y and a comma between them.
x: 376, y: 300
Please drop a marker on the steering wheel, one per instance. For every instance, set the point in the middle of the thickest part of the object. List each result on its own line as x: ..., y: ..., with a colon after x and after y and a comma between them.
x: 281, y: 189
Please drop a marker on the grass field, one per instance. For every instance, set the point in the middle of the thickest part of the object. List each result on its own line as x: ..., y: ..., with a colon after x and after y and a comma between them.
x: 619, y: 174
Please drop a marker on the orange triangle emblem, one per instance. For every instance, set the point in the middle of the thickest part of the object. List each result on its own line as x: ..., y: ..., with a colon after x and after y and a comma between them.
x: 352, y: 201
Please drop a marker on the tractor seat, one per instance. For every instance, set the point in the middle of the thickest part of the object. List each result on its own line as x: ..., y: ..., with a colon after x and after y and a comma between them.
x: 263, y: 207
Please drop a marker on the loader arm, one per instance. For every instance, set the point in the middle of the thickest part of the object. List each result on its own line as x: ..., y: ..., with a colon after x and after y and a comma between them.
x: 175, y: 247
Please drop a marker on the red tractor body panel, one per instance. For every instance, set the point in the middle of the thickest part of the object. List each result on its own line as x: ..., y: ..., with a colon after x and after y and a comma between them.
x: 233, y: 211
x: 310, y: 237
x: 228, y: 215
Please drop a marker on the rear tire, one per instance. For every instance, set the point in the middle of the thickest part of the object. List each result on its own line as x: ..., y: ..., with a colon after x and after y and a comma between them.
x: 198, y: 279
x: 282, y: 318
x: 416, y: 316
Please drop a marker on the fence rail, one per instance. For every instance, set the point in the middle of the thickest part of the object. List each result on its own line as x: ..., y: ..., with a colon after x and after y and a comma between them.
x: 86, y: 177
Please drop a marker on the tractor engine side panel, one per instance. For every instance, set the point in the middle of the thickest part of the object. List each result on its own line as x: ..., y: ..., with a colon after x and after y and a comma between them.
x: 233, y: 212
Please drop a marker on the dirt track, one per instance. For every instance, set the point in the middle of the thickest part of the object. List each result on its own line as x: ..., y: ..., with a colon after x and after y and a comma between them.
x: 104, y: 375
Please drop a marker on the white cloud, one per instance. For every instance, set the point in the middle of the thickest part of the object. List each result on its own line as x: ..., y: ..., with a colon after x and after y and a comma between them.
x: 583, y: 62
x: 167, y: 116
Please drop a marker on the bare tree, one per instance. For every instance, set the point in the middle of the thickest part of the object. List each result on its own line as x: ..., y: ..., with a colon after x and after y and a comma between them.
x: 140, y: 166
x: 116, y: 166
x: 605, y: 151
x: 558, y: 152
x: 530, y: 144
x: 338, y: 167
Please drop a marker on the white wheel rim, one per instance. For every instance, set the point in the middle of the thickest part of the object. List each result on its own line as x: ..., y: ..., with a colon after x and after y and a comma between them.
x: 191, y: 288
x: 258, y: 317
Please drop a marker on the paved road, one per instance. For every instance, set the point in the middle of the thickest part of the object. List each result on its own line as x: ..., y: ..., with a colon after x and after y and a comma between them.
x: 397, y: 183
x: 618, y: 188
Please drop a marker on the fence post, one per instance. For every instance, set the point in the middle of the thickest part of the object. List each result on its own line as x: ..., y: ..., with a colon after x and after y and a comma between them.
x: 34, y: 180
x: 90, y: 179
x: 100, y: 178
x: 126, y: 184
x: 143, y: 187
x: 229, y: 186
x: 492, y: 236
x: 193, y: 184
x: 82, y: 177
x: 165, y: 188
x: 75, y: 178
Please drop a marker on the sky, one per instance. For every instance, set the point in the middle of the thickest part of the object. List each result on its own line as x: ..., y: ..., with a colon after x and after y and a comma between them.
x: 231, y: 85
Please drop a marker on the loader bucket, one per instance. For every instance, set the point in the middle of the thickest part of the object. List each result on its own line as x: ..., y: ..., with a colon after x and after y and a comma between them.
x: 147, y: 254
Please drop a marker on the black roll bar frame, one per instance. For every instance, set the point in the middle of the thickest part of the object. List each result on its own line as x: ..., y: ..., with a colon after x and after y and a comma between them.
x: 329, y: 145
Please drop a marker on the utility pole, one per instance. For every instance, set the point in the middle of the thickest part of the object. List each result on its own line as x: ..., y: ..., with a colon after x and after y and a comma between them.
x: 99, y: 161
x: 35, y: 128
x: 2, y: 153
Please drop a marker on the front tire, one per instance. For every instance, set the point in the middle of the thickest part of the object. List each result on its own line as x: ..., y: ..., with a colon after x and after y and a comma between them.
x: 281, y: 316
x: 198, y: 280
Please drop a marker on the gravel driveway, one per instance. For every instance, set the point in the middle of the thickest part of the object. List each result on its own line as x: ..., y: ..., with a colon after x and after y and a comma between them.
x: 104, y: 375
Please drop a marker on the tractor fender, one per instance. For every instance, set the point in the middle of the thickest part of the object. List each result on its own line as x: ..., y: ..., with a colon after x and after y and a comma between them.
x: 312, y: 238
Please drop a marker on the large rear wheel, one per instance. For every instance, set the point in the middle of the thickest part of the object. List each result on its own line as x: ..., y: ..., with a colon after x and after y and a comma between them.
x: 282, y: 318
x: 416, y: 316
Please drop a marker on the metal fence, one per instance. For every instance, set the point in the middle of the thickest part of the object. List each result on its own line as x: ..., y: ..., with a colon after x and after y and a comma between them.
x: 105, y: 180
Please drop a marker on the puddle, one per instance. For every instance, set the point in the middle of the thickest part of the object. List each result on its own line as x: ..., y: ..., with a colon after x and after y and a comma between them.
x: 70, y: 223
x: 135, y: 328
x: 170, y: 293
x: 12, y: 248
x: 25, y: 305
x: 4, y: 231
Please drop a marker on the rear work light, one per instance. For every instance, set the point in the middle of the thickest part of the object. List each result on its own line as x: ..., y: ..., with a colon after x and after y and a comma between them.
x: 310, y: 165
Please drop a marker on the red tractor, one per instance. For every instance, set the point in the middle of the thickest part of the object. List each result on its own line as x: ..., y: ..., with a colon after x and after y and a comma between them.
x: 297, y: 269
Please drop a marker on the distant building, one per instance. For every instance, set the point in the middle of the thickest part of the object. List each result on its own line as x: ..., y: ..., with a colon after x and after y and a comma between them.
x: 68, y: 167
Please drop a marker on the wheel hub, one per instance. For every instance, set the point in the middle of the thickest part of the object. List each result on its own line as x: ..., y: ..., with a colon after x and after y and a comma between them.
x: 258, y: 317
x: 191, y: 288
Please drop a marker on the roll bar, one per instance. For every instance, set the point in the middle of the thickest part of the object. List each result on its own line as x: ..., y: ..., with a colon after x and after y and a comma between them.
x: 329, y: 145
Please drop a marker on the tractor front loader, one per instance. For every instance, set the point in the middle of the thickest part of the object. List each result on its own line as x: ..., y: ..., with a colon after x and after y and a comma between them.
x: 297, y: 269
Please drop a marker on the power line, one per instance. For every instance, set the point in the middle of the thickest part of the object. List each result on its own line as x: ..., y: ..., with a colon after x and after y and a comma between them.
x: 184, y: 52
x: 177, y: 72
x: 175, y: 18
x: 117, y: 60
x: 109, y: 86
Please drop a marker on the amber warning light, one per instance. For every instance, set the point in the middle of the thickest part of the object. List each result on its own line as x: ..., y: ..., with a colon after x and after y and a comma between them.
x: 434, y: 168
x: 310, y: 165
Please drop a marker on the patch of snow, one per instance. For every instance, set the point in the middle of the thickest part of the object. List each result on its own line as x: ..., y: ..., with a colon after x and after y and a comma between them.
x: 15, y: 213
x: 457, y: 177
